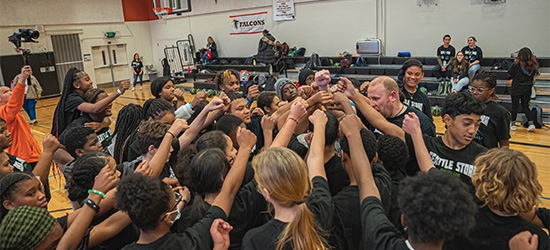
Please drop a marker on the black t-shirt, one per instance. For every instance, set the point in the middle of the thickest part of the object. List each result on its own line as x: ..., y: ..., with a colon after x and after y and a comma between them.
x: 19, y: 165
x: 472, y: 54
x: 137, y: 65
x: 295, y: 145
x: 104, y: 136
x: 544, y: 216
x: 522, y: 80
x: 167, y: 172
x: 347, y: 232
x: 493, y: 232
x: 445, y: 54
x: 336, y: 175
x: 196, y: 237
x: 319, y: 202
x: 83, y: 245
x: 418, y: 100
x: 427, y: 126
x: 495, y: 125
x: 459, y: 162
x: 71, y: 108
x: 379, y: 232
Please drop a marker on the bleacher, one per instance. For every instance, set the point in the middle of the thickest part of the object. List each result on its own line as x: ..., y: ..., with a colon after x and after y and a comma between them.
x: 390, y: 66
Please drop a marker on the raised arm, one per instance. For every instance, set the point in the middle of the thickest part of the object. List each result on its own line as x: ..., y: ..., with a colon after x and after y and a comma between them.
x: 315, y: 158
x: 235, y: 176
x: 374, y: 117
x: 42, y: 168
x: 97, y: 107
x: 351, y: 126
x: 197, y: 125
x: 14, y: 104
x: 297, y: 111
x: 158, y: 160
x: 411, y: 125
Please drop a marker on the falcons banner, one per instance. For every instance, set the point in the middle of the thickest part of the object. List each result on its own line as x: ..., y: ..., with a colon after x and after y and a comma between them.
x: 248, y: 23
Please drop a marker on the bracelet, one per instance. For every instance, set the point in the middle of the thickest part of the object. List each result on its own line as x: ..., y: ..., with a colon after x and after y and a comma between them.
x: 248, y: 100
x: 91, y: 204
x: 191, y: 105
x: 119, y: 92
x: 93, y: 191
x: 294, y: 119
x: 172, y: 134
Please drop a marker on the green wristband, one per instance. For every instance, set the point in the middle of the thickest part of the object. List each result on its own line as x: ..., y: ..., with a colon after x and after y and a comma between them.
x: 93, y: 191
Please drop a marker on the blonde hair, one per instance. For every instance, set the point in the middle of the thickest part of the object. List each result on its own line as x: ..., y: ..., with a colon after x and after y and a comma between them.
x: 389, y: 84
x: 506, y: 180
x: 285, y: 176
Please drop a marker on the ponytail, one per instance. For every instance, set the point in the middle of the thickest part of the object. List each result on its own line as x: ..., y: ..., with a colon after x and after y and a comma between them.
x: 301, y: 233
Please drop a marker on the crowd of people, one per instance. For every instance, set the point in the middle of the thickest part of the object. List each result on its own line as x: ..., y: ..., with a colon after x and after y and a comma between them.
x: 310, y: 165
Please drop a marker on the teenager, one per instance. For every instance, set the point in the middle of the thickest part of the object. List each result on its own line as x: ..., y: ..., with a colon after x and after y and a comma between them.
x: 128, y: 120
x: 228, y: 82
x: 163, y: 88
x: 445, y: 54
x: 523, y: 71
x: 137, y: 68
x: 459, y: 78
x: 474, y: 56
x: 409, y: 77
x: 494, y: 130
x: 71, y: 103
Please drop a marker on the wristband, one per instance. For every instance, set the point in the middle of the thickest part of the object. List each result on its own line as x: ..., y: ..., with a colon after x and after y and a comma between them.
x: 172, y: 134
x: 191, y: 105
x: 91, y: 204
x: 119, y: 92
x: 248, y: 101
x: 294, y: 119
x: 93, y: 191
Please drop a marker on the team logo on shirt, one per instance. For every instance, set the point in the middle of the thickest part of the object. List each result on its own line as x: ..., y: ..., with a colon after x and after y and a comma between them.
x: 458, y: 168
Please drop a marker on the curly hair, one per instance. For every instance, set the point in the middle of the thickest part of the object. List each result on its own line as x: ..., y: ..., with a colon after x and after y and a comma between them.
x: 156, y: 109
x: 92, y: 94
x: 144, y: 198
x: 158, y: 84
x: 369, y: 143
x: 436, y: 206
x: 150, y: 133
x: 506, y: 180
x: 462, y: 104
x: 487, y: 77
x: 86, y: 168
x: 225, y: 76
x: 393, y: 152
x: 9, y: 185
x: 75, y: 138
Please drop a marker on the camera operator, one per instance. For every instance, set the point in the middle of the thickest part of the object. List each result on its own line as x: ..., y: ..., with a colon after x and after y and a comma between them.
x: 24, y: 145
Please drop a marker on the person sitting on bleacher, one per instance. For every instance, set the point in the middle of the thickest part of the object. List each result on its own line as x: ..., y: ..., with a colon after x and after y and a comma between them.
x: 460, y: 79
x: 445, y: 54
x: 474, y: 55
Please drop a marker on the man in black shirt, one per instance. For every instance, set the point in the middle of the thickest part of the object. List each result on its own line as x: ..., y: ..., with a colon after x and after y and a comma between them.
x: 445, y: 54
x: 494, y: 130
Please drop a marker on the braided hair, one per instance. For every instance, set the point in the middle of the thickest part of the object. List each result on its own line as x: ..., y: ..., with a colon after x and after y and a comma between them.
x: 156, y: 108
x: 59, y: 122
x: 86, y: 168
x: 127, y: 122
x: 9, y: 184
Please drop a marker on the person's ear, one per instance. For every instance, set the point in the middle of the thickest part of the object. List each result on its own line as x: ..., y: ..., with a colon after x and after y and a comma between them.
x: 8, y: 205
x: 267, y: 109
x: 79, y: 152
x: 403, y: 221
x: 266, y: 194
x: 375, y: 159
x: 447, y: 119
x: 76, y: 84
x: 151, y: 149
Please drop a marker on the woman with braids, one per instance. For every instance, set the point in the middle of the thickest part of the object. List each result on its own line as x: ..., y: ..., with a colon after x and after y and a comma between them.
x: 300, y: 198
x: 128, y: 120
x: 507, y: 185
x: 523, y: 71
x: 72, y: 103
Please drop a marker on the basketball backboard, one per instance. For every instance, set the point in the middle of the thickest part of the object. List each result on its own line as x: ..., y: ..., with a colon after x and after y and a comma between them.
x: 177, y: 6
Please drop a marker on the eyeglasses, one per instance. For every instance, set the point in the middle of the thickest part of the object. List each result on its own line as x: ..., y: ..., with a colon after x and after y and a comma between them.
x: 474, y: 89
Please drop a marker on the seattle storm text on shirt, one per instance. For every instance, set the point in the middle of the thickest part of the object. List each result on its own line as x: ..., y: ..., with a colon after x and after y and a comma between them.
x: 417, y: 105
x: 457, y: 167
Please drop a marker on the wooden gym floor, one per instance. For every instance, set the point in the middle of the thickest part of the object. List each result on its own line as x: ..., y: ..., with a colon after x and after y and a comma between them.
x: 535, y: 145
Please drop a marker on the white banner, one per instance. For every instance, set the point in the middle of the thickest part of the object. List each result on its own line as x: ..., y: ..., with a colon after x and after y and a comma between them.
x: 248, y: 23
x: 283, y: 10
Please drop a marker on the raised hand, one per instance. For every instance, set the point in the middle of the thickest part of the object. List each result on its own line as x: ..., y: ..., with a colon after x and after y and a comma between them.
x: 179, y: 94
x: 198, y: 98
x: 305, y: 91
x: 524, y: 241
x: 351, y: 125
x: 226, y: 101
x: 178, y: 126
x: 318, y: 118
x: 143, y: 168
x: 297, y: 110
x: 216, y: 103
x: 26, y: 72
x: 220, y: 234
x: 253, y: 91
x: 322, y: 79
x: 364, y: 87
x: 245, y: 138
x: 50, y: 143
x: 268, y: 123
x: 346, y: 87
x: 411, y: 124
x: 107, y: 179
x: 124, y: 85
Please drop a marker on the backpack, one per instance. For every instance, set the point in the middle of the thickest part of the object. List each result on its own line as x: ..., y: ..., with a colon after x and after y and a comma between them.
x: 503, y: 64
x: 290, y: 63
x: 536, y: 112
x: 224, y: 62
x: 285, y: 48
x: 361, y: 62
x: 314, y: 61
x: 347, y: 55
x: 300, y: 52
x: 325, y: 61
x: 249, y: 60
x: 235, y: 62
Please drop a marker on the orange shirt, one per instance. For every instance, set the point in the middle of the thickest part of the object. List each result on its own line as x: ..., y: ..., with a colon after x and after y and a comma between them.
x: 24, y: 145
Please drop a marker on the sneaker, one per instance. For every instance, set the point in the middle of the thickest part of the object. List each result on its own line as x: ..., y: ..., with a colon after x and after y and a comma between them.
x: 140, y: 87
x: 133, y: 88
x: 33, y: 122
x: 531, y: 128
x: 513, y: 127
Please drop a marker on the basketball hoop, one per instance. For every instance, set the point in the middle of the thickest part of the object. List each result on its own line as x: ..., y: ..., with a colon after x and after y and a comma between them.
x: 162, y: 13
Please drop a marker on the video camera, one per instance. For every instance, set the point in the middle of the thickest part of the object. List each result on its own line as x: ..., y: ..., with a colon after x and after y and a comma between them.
x: 25, y: 36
